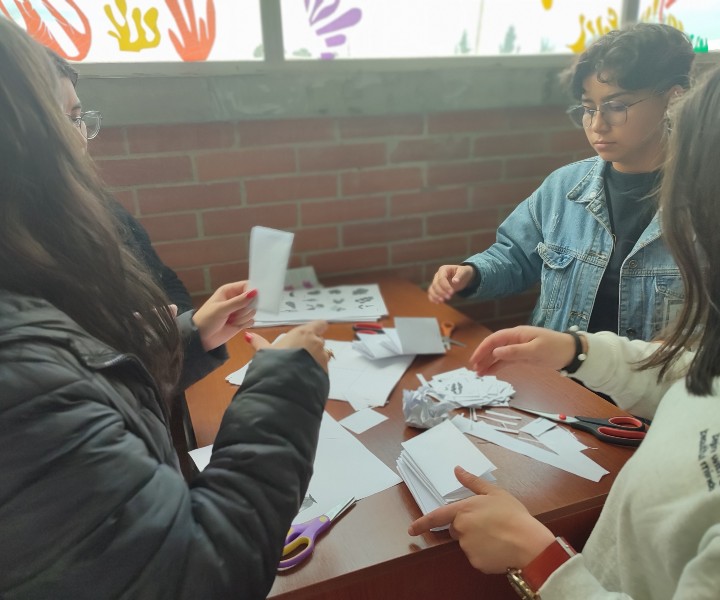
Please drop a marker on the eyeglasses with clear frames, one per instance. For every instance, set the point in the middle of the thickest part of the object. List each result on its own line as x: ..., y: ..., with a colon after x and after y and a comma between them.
x: 88, y: 123
x: 613, y: 112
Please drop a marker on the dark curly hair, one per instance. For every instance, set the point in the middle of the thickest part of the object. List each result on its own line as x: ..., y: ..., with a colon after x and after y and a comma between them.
x: 642, y: 56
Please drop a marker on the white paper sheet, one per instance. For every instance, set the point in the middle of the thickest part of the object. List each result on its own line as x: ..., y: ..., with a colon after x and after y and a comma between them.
x: 362, y: 420
x: 269, y: 256
x: 353, y: 378
x: 419, y: 335
x: 343, y: 467
x: 572, y: 462
x: 362, y: 302
x: 537, y: 427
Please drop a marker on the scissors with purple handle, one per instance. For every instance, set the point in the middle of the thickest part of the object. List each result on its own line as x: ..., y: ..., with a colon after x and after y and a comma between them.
x: 622, y: 430
x: 305, y: 534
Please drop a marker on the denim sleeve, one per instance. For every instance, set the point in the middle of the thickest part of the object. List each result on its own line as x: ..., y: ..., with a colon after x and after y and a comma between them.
x: 511, y: 265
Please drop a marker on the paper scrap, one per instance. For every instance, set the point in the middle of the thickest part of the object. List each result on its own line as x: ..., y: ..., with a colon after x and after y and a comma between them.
x: 269, y: 256
x: 362, y: 420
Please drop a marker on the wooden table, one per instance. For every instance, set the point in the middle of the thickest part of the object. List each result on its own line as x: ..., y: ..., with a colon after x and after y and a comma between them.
x: 368, y: 555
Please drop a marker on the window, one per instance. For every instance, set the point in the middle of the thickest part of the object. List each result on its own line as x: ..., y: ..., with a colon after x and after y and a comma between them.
x: 108, y: 31
x: 700, y: 19
x: 436, y: 28
x: 137, y: 31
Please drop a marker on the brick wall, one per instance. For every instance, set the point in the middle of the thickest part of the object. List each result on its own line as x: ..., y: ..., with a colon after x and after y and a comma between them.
x: 388, y: 195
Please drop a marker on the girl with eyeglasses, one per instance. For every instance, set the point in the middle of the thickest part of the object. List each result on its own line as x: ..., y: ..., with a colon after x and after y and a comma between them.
x: 590, y: 234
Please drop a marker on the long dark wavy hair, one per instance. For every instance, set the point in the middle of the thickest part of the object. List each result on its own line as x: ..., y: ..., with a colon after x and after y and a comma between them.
x: 690, y: 214
x: 58, y: 241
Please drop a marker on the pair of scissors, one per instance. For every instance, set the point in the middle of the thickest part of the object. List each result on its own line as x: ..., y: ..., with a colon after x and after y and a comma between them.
x: 622, y: 430
x: 446, y: 330
x: 300, y: 540
x: 368, y: 328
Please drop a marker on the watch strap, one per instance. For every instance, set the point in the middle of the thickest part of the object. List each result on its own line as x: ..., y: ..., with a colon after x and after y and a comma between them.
x: 536, y: 573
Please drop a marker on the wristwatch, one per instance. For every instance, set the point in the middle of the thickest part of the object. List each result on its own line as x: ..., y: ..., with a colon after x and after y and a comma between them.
x: 528, y: 580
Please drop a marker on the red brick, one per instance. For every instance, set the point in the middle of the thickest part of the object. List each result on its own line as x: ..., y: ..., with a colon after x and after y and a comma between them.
x: 193, y: 279
x: 285, y: 131
x: 127, y: 199
x: 197, y: 253
x: 448, y: 148
x: 462, y: 222
x: 242, y: 163
x: 468, y: 121
x: 315, y: 238
x: 296, y: 187
x: 109, y: 142
x: 515, y: 143
x: 429, y: 201
x: 344, y: 261
x: 144, y: 139
x: 171, y: 227
x: 139, y: 171
x: 222, y: 274
x: 409, y: 272
x: 335, y: 211
x: 379, y: 232
x: 483, y: 240
x: 188, y: 197
x: 572, y: 140
x: 540, y: 117
x: 342, y: 156
x: 241, y: 220
x: 504, y: 192
x: 455, y: 248
x: 381, y: 126
x: 381, y: 180
x: 535, y: 166
x: 468, y: 172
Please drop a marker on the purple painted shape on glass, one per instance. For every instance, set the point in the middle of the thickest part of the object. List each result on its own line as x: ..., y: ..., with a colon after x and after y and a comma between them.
x: 323, y: 16
x: 317, y: 4
x: 324, y: 13
x: 349, y: 19
x: 336, y: 40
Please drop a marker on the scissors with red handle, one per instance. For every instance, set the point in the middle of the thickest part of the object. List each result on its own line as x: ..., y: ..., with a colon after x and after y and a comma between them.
x: 622, y: 430
x: 301, y: 539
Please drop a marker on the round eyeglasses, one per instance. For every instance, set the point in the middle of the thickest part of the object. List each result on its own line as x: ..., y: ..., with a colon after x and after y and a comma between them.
x: 88, y: 123
x: 613, y: 112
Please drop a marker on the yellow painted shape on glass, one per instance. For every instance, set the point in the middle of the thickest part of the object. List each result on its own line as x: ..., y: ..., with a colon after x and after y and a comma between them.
x: 547, y: 4
x: 654, y: 14
x: 592, y: 30
x: 123, y: 32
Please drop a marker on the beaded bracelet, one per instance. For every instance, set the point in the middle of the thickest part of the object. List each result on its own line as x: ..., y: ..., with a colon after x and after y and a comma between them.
x: 579, y: 357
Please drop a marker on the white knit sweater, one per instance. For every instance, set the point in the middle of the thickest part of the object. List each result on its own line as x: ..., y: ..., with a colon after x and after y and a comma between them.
x: 658, y: 535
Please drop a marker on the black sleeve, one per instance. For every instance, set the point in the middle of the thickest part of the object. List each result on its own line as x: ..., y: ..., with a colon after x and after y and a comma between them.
x: 138, y: 239
x: 91, y: 511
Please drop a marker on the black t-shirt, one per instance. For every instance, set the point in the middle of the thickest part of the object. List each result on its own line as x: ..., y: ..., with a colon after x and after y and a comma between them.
x: 631, y: 202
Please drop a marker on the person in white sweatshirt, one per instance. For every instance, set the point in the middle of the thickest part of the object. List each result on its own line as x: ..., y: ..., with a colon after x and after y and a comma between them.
x: 658, y: 536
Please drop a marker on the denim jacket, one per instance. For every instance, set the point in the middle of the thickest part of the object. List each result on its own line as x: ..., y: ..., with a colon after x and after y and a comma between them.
x: 561, y: 236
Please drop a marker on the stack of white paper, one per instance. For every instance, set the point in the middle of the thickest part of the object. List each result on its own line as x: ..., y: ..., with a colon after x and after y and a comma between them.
x: 410, y: 336
x: 427, y: 464
x: 465, y: 388
x: 339, y: 303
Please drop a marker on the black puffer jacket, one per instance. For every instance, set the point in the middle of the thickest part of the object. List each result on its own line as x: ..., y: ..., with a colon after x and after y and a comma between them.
x: 91, y: 502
